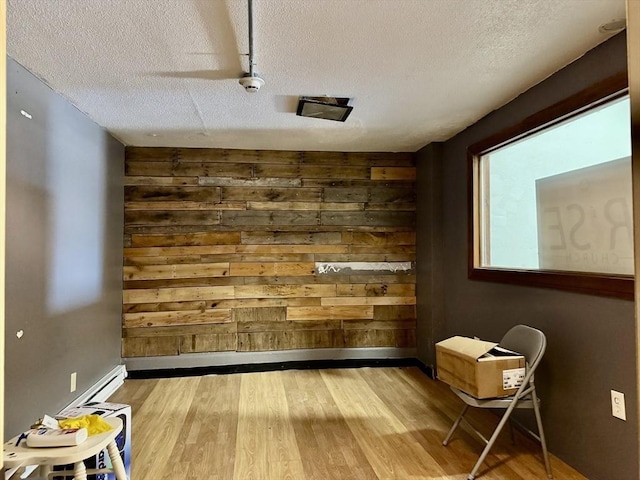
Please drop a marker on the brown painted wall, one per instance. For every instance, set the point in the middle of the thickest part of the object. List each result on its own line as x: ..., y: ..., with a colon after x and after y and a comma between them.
x: 591, y: 340
x: 222, y: 250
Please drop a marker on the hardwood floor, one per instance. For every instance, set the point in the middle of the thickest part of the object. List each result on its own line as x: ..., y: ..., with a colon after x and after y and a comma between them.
x: 348, y: 424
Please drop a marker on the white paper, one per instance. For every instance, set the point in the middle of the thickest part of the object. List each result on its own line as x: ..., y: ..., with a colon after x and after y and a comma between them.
x: 512, y: 378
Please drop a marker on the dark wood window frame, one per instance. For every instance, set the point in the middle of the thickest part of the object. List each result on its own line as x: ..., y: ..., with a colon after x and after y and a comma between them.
x: 620, y: 286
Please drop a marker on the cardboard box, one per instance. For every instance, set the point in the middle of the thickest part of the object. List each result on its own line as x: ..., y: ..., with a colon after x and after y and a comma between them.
x: 478, y: 368
x: 123, y: 440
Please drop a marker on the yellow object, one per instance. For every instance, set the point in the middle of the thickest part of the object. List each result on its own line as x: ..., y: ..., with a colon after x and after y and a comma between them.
x: 93, y: 423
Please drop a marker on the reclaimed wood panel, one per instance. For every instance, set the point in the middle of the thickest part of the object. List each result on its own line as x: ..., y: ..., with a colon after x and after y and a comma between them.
x: 272, y: 269
x: 331, y: 312
x: 142, y: 180
x: 269, y: 218
x: 217, y: 342
x: 393, y: 173
x: 391, y: 195
x: 186, y: 240
x: 380, y: 338
x: 250, y: 182
x: 268, y: 302
x: 394, y: 278
x: 284, y: 291
x: 171, y: 217
x: 299, y: 280
x: 376, y: 290
x: 313, y: 171
x: 260, y: 314
x: 383, y: 249
x: 178, y: 330
x: 217, y: 155
x: 177, y: 294
x: 178, y: 205
x: 371, y: 218
x: 346, y: 194
x: 364, y: 257
x: 182, y: 282
x: 159, y: 252
x: 234, y: 305
x: 276, y: 249
x: 291, y: 238
x: 258, y: 194
x: 150, y: 347
x: 328, y: 301
x: 376, y: 238
x: 199, y: 169
x: 200, y: 305
x: 171, y: 194
x: 154, y: 272
x: 222, y: 249
x: 290, y: 340
x: 379, y: 324
x: 288, y: 326
x: 306, y: 206
x: 181, y: 317
x: 130, y: 261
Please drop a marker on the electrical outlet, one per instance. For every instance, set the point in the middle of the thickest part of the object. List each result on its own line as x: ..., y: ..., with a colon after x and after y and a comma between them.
x: 74, y: 377
x: 618, y: 409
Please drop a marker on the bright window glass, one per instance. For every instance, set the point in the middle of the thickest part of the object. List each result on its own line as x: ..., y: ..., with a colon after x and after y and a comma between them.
x: 561, y: 199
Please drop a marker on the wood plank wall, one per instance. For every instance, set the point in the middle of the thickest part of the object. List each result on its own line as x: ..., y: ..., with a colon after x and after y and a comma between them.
x: 223, y: 249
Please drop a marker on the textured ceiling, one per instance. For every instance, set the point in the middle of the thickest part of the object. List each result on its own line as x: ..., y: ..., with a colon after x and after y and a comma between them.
x: 164, y: 72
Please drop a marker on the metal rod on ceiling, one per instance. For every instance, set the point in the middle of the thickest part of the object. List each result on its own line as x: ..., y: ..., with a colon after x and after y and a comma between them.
x: 252, y: 61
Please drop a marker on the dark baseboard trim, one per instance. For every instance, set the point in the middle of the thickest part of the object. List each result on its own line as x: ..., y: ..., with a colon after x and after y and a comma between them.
x: 269, y: 367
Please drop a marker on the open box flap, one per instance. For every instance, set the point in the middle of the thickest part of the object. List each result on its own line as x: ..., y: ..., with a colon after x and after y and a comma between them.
x: 467, y: 346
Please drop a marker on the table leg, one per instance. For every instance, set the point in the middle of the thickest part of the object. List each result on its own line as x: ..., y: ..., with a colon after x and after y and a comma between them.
x: 79, y: 471
x: 116, y: 461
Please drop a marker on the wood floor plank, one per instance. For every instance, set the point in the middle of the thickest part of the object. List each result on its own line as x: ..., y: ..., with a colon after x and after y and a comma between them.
x: 338, y: 424
x: 265, y: 444
x: 426, y: 422
x: 330, y: 449
x: 378, y: 431
x: 210, y: 442
x: 158, y: 425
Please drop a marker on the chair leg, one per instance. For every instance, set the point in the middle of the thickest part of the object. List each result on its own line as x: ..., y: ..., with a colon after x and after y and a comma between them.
x: 455, y: 425
x: 79, y: 471
x: 492, y: 440
x: 116, y: 461
x: 545, y: 454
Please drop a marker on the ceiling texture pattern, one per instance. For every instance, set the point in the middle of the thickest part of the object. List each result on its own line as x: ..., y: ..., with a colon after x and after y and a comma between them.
x: 165, y: 72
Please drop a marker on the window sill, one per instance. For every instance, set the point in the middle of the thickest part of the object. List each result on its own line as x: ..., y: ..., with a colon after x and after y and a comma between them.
x: 617, y: 286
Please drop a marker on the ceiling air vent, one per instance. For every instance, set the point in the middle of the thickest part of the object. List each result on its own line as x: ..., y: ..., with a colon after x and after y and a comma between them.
x: 329, y: 108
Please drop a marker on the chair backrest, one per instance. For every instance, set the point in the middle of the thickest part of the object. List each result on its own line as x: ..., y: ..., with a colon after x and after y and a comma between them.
x: 528, y: 341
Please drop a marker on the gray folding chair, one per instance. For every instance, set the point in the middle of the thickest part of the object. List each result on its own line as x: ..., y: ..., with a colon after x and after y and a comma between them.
x: 531, y: 343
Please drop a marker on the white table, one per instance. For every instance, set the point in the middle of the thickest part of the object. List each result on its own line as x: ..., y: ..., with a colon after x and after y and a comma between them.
x: 16, y: 456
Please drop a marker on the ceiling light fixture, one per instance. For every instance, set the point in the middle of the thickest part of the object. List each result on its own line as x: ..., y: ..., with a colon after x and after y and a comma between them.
x: 252, y: 82
x: 327, y: 108
x: 613, y: 26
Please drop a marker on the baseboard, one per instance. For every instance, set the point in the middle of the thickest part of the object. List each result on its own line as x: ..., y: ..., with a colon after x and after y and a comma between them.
x: 103, y: 388
x: 238, y: 362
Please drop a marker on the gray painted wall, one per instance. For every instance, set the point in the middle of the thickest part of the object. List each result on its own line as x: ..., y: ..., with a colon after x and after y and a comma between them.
x: 591, y: 340
x: 64, y: 250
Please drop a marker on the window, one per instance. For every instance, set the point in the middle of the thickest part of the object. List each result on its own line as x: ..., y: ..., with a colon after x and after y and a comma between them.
x: 551, y: 198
